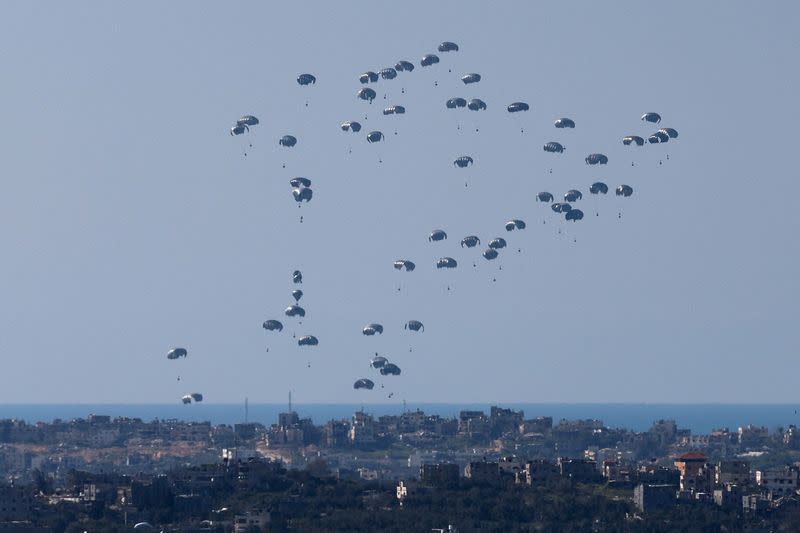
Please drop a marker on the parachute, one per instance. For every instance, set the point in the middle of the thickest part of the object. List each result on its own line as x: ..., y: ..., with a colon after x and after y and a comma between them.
x: 470, y: 241
x: 624, y: 190
x: 297, y: 294
x: 177, y: 353
x: 365, y: 93
x: 388, y: 73
x: 394, y: 110
x: 471, y: 78
x: 372, y: 329
x: 456, y: 102
x: 300, y: 182
x: 306, y: 79
x: 511, y: 225
x: 302, y: 194
x: 476, y: 104
x: 247, y: 120
x: 544, y: 197
x: 390, y: 369
x: 374, y: 137
x: 288, y: 141
x: 364, y: 383
x: 378, y: 361
x: 490, y: 254
x: 351, y: 125
x: 671, y: 132
x: 186, y: 399
x: 594, y: 159
x: 404, y: 263
x: 598, y: 187
x: 368, y: 77
x: 239, y: 129
x: 554, y: 147
x: 273, y: 325
x: 295, y: 310
x: 414, y: 325
x: 561, y: 207
x: 574, y: 214
x: 429, y: 60
x: 654, y: 139
x: 404, y: 66
x: 196, y: 396
x: 446, y: 262
x: 447, y: 46
x: 572, y: 195
x: 437, y: 235
x: 308, y: 340
x: 632, y: 139
x: 463, y: 161
x: 297, y: 276
x: 652, y: 117
x: 662, y: 136
x: 564, y: 123
x: 517, y: 107
x: 497, y: 244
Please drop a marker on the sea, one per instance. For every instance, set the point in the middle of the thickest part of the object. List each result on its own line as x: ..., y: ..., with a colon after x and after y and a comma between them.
x: 699, y: 418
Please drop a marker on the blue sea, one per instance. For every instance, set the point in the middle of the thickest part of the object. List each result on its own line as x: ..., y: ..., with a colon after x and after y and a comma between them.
x: 699, y: 418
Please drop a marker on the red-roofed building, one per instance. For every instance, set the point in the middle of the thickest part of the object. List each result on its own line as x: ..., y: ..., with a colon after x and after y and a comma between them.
x: 696, y: 474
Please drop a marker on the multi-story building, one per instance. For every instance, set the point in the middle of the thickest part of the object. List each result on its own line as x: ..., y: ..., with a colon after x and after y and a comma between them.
x: 777, y: 482
x: 732, y: 473
x: 695, y: 474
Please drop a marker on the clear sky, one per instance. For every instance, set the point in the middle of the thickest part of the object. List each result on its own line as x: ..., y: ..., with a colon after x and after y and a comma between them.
x: 131, y: 222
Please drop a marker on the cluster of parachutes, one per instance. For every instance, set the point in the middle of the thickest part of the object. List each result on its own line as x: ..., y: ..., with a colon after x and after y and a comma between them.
x: 181, y: 353
x: 563, y: 206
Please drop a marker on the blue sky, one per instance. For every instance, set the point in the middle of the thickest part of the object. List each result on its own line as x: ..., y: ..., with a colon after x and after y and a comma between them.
x: 130, y: 221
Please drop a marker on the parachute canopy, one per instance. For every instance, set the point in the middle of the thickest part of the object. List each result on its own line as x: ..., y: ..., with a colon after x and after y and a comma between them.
x: 365, y: 93
x: 456, y: 102
x: 239, y: 129
x: 351, y: 125
x: 295, y: 310
x: 632, y: 139
x: 297, y: 276
x: 544, y: 196
x: 497, y: 244
x: 470, y: 241
x: 401, y: 66
x: 288, y: 141
x: 596, y: 159
x: 429, y: 59
x: 517, y: 107
x: 372, y: 329
x: 388, y: 73
x: 404, y: 263
x: 447, y: 46
x: 374, y: 137
x: 437, y: 235
x: 446, y: 262
x: 471, y: 78
x: 394, y: 110
x: 598, y: 187
x: 559, y: 207
x: 307, y: 340
x: 624, y: 190
x: 364, y: 383
x: 554, y: 147
x: 490, y: 253
x: 302, y: 194
x: 564, y: 123
x: 196, y: 396
x: 247, y: 120
x: 186, y: 399
x: 511, y: 225
x: 574, y: 214
x: 177, y: 353
x: 390, y: 369
x: 300, y: 182
x: 476, y: 104
x: 463, y: 161
x: 662, y: 136
x: 273, y: 325
x: 306, y: 79
x: 378, y: 361
x: 414, y: 325
x: 655, y: 118
x: 671, y: 132
x: 368, y: 77
x: 572, y: 195
x: 297, y: 294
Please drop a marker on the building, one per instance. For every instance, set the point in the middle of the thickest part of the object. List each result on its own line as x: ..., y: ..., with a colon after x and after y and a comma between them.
x: 539, y: 471
x: 652, y: 497
x: 439, y: 475
x: 732, y: 473
x: 482, y: 472
x: 777, y: 482
x: 578, y: 469
x: 257, y: 519
x: 16, y: 504
x: 695, y: 474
